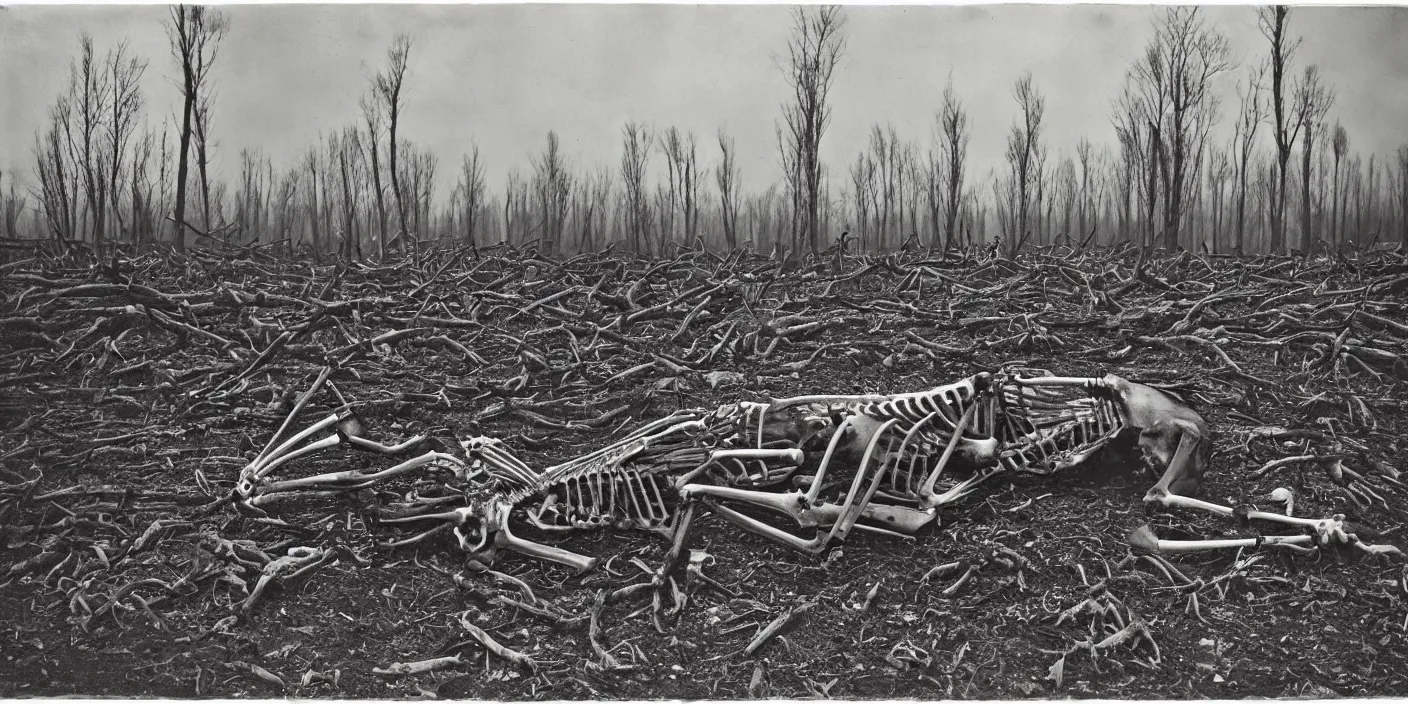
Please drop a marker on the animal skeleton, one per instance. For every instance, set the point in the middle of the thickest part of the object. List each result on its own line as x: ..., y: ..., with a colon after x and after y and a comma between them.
x: 886, y: 464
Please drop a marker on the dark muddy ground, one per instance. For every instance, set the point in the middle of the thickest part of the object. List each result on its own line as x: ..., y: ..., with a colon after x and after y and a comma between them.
x: 137, y: 393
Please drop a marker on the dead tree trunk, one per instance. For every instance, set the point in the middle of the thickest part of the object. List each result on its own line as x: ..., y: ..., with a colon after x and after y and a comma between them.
x: 814, y: 51
x: 195, y: 34
x: 389, y: 85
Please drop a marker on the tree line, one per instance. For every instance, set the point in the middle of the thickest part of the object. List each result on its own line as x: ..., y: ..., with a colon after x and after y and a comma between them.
x: 1285, y: 179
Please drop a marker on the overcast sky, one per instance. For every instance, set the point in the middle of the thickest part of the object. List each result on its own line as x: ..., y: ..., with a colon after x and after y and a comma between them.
x: 507, y: 74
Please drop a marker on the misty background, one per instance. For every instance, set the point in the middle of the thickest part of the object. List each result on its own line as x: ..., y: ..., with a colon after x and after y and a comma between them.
x: 506, y: 74
x: 503, y: 76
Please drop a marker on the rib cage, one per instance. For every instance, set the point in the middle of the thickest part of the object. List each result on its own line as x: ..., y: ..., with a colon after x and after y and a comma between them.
x: 908, y: 466
x: 630, y: 483
x: 906, y: 435
x: 625, y: 498
x: 950, y: 402
x: 1049, y: 428
x: 1032, y: 428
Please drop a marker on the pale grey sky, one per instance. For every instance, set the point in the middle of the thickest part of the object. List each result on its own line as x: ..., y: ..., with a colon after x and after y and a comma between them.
x: 506, y: 74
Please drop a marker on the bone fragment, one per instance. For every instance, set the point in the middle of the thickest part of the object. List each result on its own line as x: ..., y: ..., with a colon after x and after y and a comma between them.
x: 397, y: 669
x: 777, y: 626
x: 494, y: 647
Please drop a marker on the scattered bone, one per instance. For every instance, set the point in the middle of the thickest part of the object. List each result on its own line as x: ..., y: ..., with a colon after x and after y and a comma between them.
x: 494, y: 647
x: 779, y: 625
x: 399, y: 669
x: 284, y: 343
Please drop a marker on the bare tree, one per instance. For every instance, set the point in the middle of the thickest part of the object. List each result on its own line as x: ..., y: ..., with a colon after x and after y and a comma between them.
x: 12, y: 206
x: 427, y: 163
x: 55, y: 168
x: 1128, y: 122
x: 328, y: 205
x: 1219, y: 171
x: 911, y: 180
x: 728, y: 180
x: 680, y: 196
x: 165, y: 183
x: 672, y: 148
x: 471, y: 187
x: 863, y: 190
x: 1044, y: 204
x: 882, y: 155
x: 512, y: 189
x: 389, y: 87
x: 286, y: 212
x: 195, y: 33
x: 1177, y: 68
x: 1368, y: 221
x: 311, y: 165
x: 1274, y: 22
x: 1353, y: 230
x: 1312, y: 102
x: 1083, y: 154
x: 125, y: 103
x: 1139, y: 119
x: 253, y: 189
x: 792, y: 183
x: 636, y: 141
x: 371, y: 116
x: 814, y: 50
x: 202, y: 147
x: 417, y: 180
x: 1024, y: 153
x: 1323, y: 162
x: 1066, y: 187
x: 595, y: 198
x: 934, y: 199
x: 553, y: 183
x: 953, y: 124
x: 899, y: 161
x: 688, y: 171
x: 1353, y: 183
x: 149, y: 196
x: 346, y: 148
x: 522, y: 203
x: 974, y: 217
x: 1340, y: 144
x: 664, y: 212
x: 761, y: 214
x: 608, y: 227
x: 88, y: 88
x: 1403, y: 196
x: 1249, y: 118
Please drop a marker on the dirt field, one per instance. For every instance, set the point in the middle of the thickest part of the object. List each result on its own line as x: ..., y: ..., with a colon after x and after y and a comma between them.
x: 135, y: 393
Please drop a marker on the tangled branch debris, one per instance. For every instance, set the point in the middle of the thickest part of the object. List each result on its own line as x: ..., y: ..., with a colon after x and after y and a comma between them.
x: 135, y: 390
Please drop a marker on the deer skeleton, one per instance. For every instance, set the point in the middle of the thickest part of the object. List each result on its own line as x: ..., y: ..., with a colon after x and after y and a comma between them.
x: 881, y: 463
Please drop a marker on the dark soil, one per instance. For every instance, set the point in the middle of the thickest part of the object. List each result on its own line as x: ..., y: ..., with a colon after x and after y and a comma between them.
x: 144, y: 387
